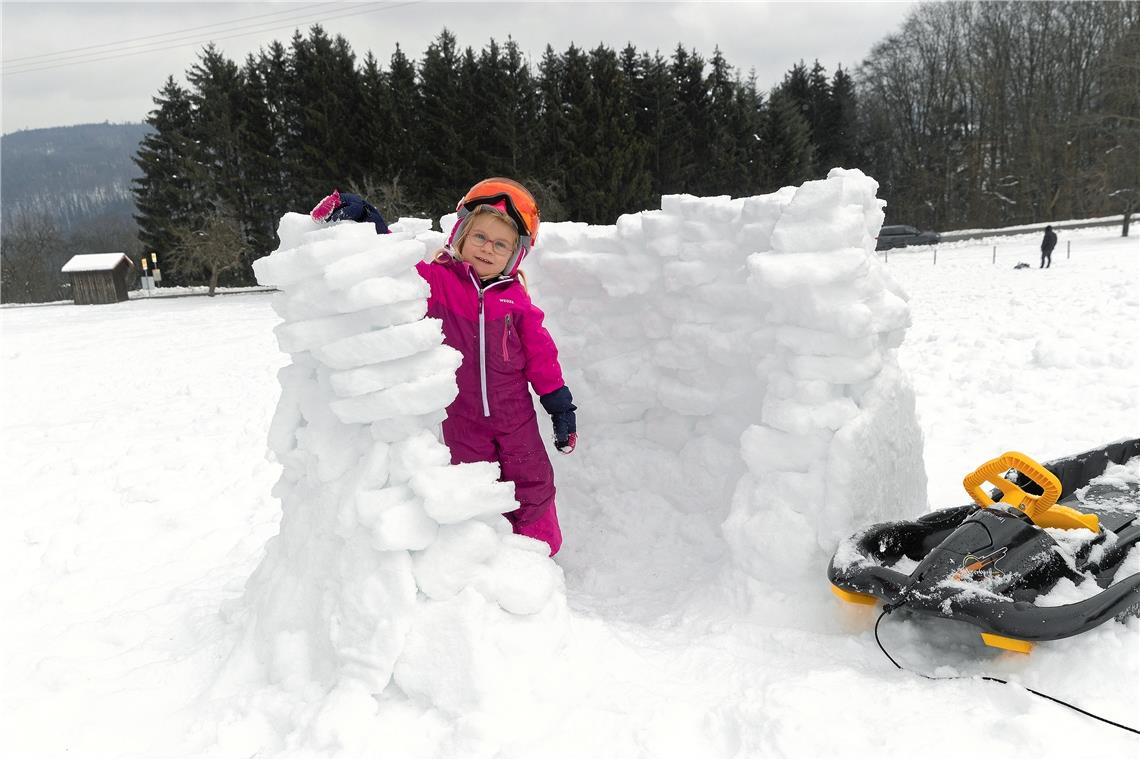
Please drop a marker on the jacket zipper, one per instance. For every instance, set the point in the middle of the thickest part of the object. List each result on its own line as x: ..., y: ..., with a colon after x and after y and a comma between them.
x: 506, y: 333
x: 483, y: 342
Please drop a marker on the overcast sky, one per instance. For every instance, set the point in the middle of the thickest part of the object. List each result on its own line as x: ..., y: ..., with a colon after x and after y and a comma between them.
x: 77, y: 63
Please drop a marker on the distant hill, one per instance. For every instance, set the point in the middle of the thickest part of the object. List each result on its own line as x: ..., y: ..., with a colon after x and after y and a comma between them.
x: 74, y: 173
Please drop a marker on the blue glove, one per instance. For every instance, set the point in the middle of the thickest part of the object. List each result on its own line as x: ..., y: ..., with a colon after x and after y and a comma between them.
x: 337, y: 206
x: 559, y: 405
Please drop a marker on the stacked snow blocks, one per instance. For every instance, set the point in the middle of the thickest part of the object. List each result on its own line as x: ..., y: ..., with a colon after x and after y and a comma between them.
x: 734, y: 360
x: 392, y: 565
x: 756, y: 330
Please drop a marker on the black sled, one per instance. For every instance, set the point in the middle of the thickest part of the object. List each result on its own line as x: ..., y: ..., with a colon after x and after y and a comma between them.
x: 987, y: 562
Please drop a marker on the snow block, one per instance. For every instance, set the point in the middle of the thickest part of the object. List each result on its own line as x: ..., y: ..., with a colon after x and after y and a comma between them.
x: 377, y: 346
x: 459, y: 492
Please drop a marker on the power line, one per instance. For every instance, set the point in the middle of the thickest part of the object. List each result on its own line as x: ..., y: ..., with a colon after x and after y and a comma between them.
x: 152, y: 47
x: 166, y: 44
x: 66, y: 53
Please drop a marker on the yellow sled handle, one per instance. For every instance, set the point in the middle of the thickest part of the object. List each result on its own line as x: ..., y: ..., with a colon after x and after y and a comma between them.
x: 992, y: 472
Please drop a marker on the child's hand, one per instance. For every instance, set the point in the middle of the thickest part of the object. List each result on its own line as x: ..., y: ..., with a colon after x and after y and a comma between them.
x: 559, y: 405
x: 564, y: 441
x: 323, y: 210
x: 338, y: 206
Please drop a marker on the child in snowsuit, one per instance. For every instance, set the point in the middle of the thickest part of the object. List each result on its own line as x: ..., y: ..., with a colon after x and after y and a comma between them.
x: 488, y: 317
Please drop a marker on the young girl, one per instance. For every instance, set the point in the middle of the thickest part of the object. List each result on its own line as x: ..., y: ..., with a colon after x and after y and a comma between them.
x: 489, y: 318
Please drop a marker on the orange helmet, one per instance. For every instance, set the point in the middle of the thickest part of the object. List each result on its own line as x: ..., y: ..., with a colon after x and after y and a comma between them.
x: 510, y: 197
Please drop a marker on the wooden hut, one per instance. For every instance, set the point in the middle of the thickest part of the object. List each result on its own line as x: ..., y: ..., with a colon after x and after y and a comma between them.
x: 98, y: 277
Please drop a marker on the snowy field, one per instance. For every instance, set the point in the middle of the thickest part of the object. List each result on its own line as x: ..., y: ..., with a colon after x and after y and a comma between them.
x: 137, y: 502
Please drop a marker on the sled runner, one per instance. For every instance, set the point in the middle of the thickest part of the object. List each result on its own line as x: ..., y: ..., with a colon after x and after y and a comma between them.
x: 988, y: 562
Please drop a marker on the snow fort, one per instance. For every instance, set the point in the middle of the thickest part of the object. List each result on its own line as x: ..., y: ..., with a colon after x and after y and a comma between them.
x: 733, y: 361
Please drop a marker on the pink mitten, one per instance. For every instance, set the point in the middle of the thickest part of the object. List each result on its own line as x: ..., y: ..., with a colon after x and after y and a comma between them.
x: 328, y: 204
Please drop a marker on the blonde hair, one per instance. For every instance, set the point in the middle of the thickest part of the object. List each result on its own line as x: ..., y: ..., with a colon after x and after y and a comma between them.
x: 457, y: 244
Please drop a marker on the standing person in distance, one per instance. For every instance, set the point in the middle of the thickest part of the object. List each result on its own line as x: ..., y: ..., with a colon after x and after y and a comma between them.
x: 479, y: 294
x: 1048, y: 243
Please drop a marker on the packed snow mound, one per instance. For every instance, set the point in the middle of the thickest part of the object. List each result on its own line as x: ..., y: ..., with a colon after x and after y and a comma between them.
x: 742, y: 350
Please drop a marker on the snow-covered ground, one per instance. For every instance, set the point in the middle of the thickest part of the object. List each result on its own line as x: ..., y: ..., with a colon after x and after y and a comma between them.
x: 137, y: 502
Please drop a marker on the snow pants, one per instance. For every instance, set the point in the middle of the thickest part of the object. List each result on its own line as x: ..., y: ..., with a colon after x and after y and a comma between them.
x: 522, y: 458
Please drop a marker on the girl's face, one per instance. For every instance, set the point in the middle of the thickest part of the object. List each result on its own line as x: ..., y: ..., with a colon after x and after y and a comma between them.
x: 488, y: 245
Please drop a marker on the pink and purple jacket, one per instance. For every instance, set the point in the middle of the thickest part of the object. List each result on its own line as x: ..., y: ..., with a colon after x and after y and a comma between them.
x: 499, y: 331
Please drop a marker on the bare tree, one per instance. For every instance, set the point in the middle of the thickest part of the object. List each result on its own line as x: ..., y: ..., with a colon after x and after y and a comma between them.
x: 549, y: 195
x: 215, y: 248
x: 1118, y: 169
x: 390, y: 198
x: 32, y: 252
x: 1004, y: 112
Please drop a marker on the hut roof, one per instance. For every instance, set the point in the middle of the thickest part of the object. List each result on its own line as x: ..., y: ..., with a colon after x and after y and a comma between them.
x: 95, y: 262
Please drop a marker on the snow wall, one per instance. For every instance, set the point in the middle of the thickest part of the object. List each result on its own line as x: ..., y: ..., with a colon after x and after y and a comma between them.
x: 748, y: 342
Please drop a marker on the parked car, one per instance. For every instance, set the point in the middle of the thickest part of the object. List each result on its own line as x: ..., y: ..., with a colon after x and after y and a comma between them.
x: 902, y: 235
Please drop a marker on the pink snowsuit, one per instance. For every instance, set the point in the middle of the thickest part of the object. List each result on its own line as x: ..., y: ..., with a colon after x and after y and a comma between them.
x: 504, y: 345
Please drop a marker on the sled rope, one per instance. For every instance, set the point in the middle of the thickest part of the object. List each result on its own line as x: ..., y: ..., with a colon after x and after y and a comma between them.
x: 888, y: 609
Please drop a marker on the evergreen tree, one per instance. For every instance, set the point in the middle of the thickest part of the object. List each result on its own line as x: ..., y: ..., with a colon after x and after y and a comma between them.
x: 819, y: 96
x: 324, y: 94
x: 258, y: 145
x: 748, y: 125
x: 522, y: 112
x: 810, y: 93
x: 582, y: 171
x: 633, y: 71
x: 273, y: 74
x: 640, y: 108
x: 691, y: 122
x: 222, y: 179
x: 504, y: 117
x: 216, y: 99
x: 796, y: 87
x: 443, y: 168
x: 787, y: 142
x: 661, y: 120
x: 553, y: 147
x: 376, y: 121
x: 406, y: 140
x: 722, y: 173
x: 838, y: 142
x: 164, y: 192
x: 623, y: 180
x: 482, y: 95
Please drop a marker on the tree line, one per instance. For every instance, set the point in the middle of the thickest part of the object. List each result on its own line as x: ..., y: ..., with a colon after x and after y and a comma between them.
x: 595, y: 133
